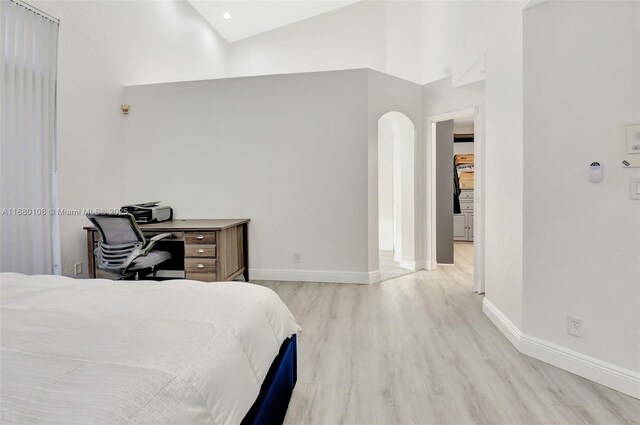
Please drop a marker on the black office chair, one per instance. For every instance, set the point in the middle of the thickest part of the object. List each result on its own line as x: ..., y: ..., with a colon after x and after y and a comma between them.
x: 123, y: 250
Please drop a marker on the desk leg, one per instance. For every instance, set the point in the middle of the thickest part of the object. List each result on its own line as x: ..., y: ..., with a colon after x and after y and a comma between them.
x: 91, y: 268
x: 245, y: 250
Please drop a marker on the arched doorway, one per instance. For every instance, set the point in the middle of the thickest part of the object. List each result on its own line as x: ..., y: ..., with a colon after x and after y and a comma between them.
x: 396, y: 195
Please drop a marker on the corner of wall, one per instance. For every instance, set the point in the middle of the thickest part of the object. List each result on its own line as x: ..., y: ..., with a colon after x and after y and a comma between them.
x: 618, y: 378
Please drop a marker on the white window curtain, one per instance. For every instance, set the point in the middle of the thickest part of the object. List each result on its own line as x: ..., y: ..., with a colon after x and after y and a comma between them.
x: 28, y: 232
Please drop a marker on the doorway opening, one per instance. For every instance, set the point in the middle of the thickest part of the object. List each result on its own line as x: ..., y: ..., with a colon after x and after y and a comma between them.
x: 396, y: 195
x: 455, y: 222
x: 463, y: 199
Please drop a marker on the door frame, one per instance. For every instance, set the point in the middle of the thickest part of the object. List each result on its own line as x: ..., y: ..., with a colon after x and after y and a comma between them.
x: 479, y: 189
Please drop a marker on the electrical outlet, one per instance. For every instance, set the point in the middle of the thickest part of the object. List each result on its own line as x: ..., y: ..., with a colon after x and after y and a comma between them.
x: 78, y: 269
x: 296, y: 258
x: 574, y: 326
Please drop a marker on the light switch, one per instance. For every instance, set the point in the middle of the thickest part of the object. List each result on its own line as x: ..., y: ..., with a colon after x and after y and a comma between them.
x: 634, y: 189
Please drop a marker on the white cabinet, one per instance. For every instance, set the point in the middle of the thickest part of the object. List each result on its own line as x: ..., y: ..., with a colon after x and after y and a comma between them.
x: 459, y: 227
x: 463, y: 222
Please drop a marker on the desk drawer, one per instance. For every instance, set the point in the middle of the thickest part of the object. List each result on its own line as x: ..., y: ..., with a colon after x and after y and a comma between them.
x: 202, y: 277
x: 206, y: 251
x: 200, y: 237
x: 466, y: 194
x: 199, y: 265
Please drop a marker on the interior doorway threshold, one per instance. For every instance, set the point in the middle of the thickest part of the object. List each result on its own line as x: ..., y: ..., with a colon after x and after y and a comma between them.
x: 390, y: 269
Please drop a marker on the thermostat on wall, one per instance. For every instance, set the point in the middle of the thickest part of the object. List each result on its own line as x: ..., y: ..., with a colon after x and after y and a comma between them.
x: 595, y: 172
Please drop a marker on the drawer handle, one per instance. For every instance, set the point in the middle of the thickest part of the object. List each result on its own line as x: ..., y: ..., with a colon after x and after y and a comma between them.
x: 201, y: 251
x: 201, y: 266
x: 199, y: 236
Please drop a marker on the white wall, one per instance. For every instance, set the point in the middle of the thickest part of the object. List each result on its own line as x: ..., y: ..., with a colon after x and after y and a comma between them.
x: 454, y: 35
x: 421, y: 41
x: 463, y: 125
x: 403, y: 42
x: 463, y: 148
x: 102, y: 46
x: 457, y: 37
x: 582, y: 240
x: 503, y: 161
x: 406, y: 204
x: 305, y: 169
x: 378, y: 35
x: 347, y: 38
x: 386, y: 184
x: 287, y: 151
x: 397, y: 188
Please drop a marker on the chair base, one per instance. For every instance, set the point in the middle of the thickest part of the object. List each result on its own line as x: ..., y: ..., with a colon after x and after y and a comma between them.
x: 138, y: 274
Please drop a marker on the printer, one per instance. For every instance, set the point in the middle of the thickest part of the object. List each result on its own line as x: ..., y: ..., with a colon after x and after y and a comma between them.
x: 149, y: 212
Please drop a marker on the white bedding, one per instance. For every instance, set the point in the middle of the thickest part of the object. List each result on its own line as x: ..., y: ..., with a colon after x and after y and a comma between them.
x: 101, y: 352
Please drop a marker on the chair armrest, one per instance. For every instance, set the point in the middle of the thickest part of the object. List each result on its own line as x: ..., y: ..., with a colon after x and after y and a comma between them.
x: 153, y: 241
x: 159, y: 237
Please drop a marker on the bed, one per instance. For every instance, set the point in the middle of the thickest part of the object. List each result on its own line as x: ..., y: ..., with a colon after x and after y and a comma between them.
x: 78, y: 351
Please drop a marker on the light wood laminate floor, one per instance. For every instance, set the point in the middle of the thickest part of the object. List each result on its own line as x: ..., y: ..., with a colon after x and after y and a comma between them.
x: 419, y: 350
x: 389, y: 268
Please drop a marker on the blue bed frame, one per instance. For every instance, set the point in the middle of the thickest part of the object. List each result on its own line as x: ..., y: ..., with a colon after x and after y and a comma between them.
x: 271, y: 405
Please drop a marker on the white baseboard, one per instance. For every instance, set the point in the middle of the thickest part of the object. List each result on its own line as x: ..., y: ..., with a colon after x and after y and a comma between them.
x: 409, y: 265
x: 315, y: 276
x: 502, y: 322
x: 478, y: 283
x: 374, y: 277
x: 610, y: 375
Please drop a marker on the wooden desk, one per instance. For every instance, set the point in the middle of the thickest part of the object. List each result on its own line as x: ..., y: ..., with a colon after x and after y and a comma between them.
x: 210, y: 250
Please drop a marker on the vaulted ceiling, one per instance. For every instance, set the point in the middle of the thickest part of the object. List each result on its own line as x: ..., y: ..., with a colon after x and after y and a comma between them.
x: 236, y: 20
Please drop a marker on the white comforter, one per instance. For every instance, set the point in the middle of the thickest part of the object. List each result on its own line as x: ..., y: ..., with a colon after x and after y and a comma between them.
x: 101, y: 352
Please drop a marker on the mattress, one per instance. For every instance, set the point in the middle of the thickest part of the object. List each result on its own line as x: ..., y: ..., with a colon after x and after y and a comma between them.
x: 93, y: 351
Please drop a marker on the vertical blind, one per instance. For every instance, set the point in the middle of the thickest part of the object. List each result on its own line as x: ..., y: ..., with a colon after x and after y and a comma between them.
x: 29, y: 44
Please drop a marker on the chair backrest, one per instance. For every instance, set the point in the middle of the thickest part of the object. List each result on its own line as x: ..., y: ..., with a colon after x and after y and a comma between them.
x: 122, y: 241
x: 117, y: 229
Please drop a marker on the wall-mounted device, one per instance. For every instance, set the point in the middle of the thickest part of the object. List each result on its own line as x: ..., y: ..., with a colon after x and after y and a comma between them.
x: 634, y: 189
x: 633, y: 139
x: 125, y: 108
x: 149, y: 212
x: 595, y: 172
